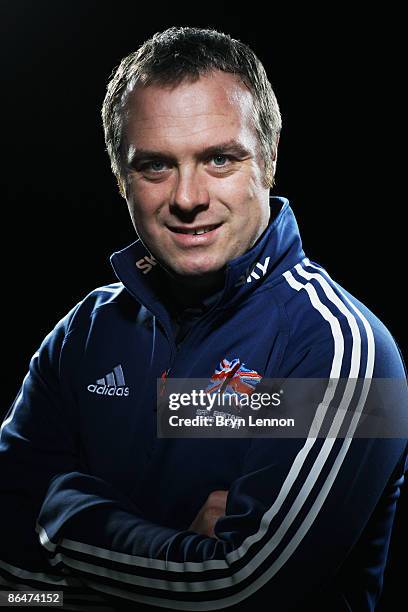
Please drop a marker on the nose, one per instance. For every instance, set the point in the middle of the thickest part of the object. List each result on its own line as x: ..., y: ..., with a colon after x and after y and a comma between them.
x: 190, y: 192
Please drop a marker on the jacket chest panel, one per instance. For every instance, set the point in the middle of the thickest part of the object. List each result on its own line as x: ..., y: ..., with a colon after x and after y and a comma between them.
x: 248, y: 335
x: 116, y: 396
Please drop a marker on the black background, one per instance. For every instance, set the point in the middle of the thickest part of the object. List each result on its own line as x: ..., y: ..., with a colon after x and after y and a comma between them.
x: 336, y: 78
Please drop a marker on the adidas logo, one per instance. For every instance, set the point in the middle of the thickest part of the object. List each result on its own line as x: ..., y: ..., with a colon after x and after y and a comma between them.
x: 111, y: 384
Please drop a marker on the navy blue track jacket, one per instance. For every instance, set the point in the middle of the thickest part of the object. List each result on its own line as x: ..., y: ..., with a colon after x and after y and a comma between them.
x: 91, y: 496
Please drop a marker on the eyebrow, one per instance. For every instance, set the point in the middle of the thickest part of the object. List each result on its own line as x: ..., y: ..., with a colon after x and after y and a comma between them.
x: 232, y: 147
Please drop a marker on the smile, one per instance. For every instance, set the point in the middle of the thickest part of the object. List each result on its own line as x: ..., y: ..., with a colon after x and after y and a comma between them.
x: 194, y: 231
x: 191, y: 237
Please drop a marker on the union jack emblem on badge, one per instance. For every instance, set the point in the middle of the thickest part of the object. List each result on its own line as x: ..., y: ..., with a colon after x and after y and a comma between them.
x: 232, y: 377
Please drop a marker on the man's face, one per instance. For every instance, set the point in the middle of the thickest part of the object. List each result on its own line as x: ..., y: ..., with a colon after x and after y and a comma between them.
x: 195, y: 187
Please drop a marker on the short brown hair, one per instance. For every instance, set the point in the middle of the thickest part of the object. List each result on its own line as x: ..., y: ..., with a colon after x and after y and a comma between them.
x: 181, y: 53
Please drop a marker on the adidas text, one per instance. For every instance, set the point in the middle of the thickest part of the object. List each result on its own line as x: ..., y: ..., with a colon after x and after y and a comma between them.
x: 108, y: 390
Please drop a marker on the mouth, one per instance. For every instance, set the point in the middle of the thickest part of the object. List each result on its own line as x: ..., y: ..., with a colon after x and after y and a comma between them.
x: 195, y: 231
x: 191, y: 237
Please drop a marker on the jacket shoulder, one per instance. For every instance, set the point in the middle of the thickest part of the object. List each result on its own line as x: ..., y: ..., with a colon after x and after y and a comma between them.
x: 324, y: 317
x: 80, y: 315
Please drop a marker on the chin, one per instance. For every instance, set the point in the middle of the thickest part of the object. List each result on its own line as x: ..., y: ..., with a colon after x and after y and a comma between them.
x: 196, y: 270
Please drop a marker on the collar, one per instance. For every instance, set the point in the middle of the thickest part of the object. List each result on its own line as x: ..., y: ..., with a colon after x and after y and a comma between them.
x: 278, y: 249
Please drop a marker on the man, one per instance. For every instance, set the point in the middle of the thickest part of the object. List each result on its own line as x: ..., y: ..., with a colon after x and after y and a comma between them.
x: 92, y: 499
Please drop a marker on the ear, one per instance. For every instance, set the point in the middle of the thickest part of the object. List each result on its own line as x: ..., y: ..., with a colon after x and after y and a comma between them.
x: 122, y: 187
x: 275, y: 157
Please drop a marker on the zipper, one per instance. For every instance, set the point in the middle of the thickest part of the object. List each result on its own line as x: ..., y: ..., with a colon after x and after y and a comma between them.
x: 176, y: 349
x: 163, y: 378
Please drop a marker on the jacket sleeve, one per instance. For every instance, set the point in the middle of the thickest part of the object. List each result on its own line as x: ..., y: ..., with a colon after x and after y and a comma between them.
x: 36, y: 442
x: 292, y: 517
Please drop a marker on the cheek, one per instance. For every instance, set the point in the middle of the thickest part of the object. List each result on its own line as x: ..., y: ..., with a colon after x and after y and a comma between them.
x: 143, y: 205
x: 147, y: 195
x: 239, y: 189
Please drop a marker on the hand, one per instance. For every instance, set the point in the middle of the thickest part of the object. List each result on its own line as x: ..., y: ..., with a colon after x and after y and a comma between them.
x: 209, y: 514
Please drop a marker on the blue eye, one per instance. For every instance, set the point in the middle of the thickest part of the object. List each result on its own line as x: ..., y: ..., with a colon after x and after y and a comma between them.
x: 219, y: 160
x: 156, y: 166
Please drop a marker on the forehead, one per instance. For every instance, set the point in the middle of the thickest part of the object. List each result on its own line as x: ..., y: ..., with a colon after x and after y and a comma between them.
x: 216, y: 102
